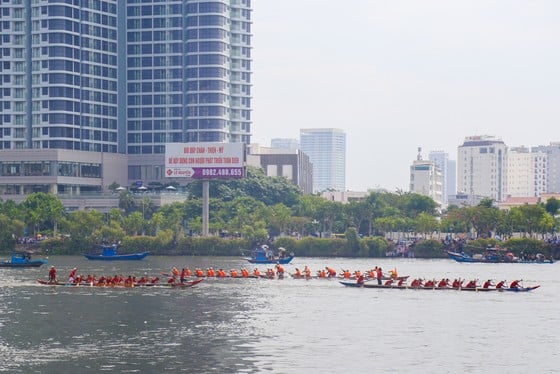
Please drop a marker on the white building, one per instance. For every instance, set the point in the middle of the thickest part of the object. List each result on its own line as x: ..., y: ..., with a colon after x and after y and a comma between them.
x: 481, y: 167
x: 447, y: 168
x: 526, y: 172
x: 426, y: 179
x: 553, y: 165
x: 326, y: 148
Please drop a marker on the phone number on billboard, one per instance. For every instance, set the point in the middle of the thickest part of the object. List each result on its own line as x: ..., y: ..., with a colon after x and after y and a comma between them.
x: 216, y: 172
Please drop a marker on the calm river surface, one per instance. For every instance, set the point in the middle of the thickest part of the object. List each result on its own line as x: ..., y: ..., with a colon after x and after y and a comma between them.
x: 279, y: 326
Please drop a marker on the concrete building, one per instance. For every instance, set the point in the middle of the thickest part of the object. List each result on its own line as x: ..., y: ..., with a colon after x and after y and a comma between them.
x: 481, y: 167
x: 345, y: 196
x: 284, y: 143
x: 326, y: 148
x: 464, y: 200
x: 447, y: 168
x: 119, y: 78
x: 290, y: 163
x: 552, y: 152
x: 426, y: 179
x: 526, y: 172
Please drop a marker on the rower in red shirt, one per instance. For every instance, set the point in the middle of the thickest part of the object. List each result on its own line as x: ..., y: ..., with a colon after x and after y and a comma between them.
x: 487, y: 284
x: 52, y: 275
x: 515, y: 284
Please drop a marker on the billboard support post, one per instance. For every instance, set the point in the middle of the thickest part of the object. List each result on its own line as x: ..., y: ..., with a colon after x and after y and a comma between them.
x: 205, y: 206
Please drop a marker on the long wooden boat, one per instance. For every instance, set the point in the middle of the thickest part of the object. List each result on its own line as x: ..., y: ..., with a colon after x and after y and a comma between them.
x: 468, y: 289
x: 109, y: 253
x: 22, y: 260
x: 495, y: 256
x: 372, y: 285
x: 521, y: 289
x: 137, y: 285
x: 384, y: 278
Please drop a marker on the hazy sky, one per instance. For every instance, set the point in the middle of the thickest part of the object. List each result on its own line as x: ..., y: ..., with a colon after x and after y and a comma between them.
x: 398, y: 75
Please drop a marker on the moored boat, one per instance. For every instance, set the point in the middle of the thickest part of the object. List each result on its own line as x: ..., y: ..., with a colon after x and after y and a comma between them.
x: 109, y: 253
x: 497, y: 255
x: 22, y: 260
x: 263, y: 255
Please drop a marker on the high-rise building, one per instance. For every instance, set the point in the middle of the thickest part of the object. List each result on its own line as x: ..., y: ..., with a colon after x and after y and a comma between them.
x: 481, y: 167
x: 426, y: 178
x: 526, y: 173
x: 326, y: 148
x: 121, y: 78
x: 441, y: 160
x: 552, y: 152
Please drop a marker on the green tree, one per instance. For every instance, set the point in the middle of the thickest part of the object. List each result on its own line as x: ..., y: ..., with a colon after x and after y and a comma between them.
x: 43, y: 211
x: 133, y: 223
x: 552, y: 205
x: 126, y: 202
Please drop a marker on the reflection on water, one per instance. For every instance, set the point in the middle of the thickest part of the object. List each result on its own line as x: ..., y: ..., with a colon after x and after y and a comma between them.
x: 257, y: 325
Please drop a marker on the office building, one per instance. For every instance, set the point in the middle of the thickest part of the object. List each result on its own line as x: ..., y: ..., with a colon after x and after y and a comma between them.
x: 526, y: 174
x: 552, y: 152
x: 117, y: 79
x: 426, y: 179
x: 292, y: 164
x: 447, y: 169
x: 326, y: 148
x: 481, y: 167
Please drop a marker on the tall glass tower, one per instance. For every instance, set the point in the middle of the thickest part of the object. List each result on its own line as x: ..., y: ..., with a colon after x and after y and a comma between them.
x: 188, y: 71
x: 58, y: 75
x: 326, y: 149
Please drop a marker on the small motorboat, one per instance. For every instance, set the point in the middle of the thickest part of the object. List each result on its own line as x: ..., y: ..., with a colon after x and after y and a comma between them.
x: 109, y: 253
x: 22, y: 260
x: 263, y: 255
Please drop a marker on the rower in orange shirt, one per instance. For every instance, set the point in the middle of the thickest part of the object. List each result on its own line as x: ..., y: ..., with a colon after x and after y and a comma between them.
x: 257, y: 272
x: 279, y: 270
x: 331, y: 273
x: 307, y: 272
x: 221, y: 273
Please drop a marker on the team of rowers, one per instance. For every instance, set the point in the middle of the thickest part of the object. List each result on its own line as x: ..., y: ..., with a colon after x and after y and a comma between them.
x: 456, y: 284
x: 279, y: 271
x: 103, y: 280
x: 180, y: 277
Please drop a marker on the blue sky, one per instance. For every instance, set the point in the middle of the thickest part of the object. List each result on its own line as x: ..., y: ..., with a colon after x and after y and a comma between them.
x: 398, y: 75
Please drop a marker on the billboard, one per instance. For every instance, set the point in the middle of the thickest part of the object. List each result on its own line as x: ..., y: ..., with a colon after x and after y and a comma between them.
x: 205, y: 160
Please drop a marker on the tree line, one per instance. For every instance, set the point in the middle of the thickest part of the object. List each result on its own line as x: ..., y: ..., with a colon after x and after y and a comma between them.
x: 257, y: 208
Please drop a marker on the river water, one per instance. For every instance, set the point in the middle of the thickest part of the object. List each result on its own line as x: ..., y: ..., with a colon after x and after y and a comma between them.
x: 279, y: 326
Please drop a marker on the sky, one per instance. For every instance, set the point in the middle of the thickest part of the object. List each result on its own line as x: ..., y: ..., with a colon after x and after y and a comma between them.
x: 397, y: 75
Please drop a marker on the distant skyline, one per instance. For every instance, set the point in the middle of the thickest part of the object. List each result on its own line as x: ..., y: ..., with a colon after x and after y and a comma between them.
x: 398, y: 75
